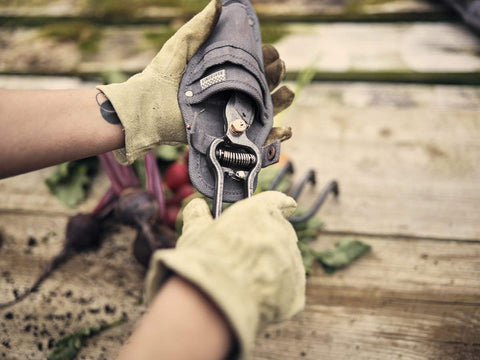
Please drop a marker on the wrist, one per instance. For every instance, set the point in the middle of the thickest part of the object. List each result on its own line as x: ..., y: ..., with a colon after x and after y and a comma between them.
x: 217, y: 281
x: 181, y: 323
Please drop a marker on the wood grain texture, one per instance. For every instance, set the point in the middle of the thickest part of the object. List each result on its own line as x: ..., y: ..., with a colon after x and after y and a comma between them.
x: 408, y: 47
x: 148, y: 11
x: 405, y: 300
x: 407, y: 157
x: 409, y: 299
x: 28, y: 194
x: 355, y: 51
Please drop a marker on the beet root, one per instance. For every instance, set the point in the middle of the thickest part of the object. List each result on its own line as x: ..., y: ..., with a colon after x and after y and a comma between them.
x: 83, y: 233
x: 136, y: 207
x: 150, y: 239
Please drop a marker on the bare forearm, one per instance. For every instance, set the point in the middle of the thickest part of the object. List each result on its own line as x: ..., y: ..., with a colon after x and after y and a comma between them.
x: 182, y: 324
x: 43, y: 128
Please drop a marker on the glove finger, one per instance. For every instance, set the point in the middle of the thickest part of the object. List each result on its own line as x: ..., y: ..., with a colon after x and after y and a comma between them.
x: 180, y: 48
x: 196, y: 216
x: 282, y: 99
x: 281, y: 133
x: 275, y: 200
x: 275, y: 72
x: 270, y: 54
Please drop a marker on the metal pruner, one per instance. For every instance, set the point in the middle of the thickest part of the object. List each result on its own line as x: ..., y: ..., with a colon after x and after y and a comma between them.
x: 235, y: 155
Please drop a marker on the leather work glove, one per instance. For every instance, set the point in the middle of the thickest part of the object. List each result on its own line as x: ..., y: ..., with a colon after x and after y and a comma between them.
x: 246, y: 261
x: 147, y: 104
x: 283, y: 97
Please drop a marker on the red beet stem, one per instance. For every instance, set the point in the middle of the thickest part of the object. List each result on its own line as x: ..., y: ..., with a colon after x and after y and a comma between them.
x: 115, y: 166
x: 154, y: 183
x: 106, y: 204
x: 120, y: 176
x: 111, y: 173
x: 128, y: 176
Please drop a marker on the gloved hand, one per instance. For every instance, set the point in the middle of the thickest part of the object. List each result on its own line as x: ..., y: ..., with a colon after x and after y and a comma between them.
x: 246, y: 261
x: 147, y: 102
x: 283, y: 97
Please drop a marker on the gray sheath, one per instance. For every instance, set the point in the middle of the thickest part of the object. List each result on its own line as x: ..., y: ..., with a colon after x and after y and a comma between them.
x: 469, y: 10
x: 227, y: 107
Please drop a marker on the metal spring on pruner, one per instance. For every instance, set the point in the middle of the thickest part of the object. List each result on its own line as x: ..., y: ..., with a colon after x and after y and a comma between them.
x: 235, y: 159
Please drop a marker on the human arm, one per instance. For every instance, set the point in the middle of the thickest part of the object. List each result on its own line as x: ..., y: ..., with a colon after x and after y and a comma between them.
x: 41, y: 128
x: 246, y: 262
x: 181, y: 324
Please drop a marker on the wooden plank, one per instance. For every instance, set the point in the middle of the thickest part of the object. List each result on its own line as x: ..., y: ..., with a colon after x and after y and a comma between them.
x: 409, y: 299
x: 407, y: 157
x: 28, y: 194
x: 385, y: 51
x: 28, y: 12
x: 24, y: 82
x: 405, y: 300
x: 375, y: 52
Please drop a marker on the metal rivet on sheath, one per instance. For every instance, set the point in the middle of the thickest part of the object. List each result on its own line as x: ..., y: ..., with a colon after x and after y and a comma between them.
x: 189, y: 93
x: 271, y: 151
x: 238, y: 127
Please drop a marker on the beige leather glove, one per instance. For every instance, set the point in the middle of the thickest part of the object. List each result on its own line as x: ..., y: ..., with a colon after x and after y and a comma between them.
x: 246, y: 261
x: 147, y: 102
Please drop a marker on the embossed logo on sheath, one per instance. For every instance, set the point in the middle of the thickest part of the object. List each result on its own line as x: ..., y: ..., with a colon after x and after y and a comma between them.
x: 212, y: 79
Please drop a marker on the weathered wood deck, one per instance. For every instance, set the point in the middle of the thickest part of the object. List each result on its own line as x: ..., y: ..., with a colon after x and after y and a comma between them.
x: 407, y: 157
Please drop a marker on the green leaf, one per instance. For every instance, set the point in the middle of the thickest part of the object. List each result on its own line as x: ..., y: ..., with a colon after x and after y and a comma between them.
x: 114, y: 76
x: 67, y: 347
x: 169, y: 153
x: 266, y: 177
x: 346, y: 251
x: 71, y: 181
x: 308, y: 257
x: 307, y: 230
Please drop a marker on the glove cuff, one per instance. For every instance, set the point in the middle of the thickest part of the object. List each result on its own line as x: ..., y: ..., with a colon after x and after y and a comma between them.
x: 149, y: 114
x: 216, y: 282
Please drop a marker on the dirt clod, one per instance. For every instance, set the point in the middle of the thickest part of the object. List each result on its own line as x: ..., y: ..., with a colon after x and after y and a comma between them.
x: 32, y: 241
x: 110, y: 309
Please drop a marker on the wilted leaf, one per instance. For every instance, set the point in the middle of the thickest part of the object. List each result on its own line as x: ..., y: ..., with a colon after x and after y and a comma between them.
x: 308, y: 257
x: 346, y: 251
x: 67, y: 347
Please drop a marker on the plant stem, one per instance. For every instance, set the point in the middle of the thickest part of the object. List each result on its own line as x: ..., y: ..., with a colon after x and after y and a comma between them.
x: 106, y: 204
x: 111, y: 173
x: 154, y: 183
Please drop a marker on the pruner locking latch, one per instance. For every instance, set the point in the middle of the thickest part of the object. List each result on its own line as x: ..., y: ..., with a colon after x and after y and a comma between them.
x: 235, y: 155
